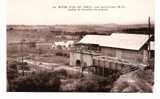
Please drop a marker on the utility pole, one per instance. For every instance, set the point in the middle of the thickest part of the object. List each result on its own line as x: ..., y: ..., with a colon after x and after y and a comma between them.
x: 22, y: 56
x: 149, y: 39
x: 81, y: 60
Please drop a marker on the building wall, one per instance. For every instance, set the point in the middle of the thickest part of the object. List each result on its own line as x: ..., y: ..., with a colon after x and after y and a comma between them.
x: 73, y: 57
x: 130, y: 55
x: 85, y: 59
x: 108, y: 51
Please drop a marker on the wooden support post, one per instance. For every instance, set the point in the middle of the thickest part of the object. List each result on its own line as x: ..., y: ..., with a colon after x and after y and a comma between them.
x: 98, y: 66
x: 94, y: 64
x: 123, y: 66
x: 120, y: 65
x: 103, y: 68
x: 95, y: 69
x: 110, y: 66
x: 116, y: 66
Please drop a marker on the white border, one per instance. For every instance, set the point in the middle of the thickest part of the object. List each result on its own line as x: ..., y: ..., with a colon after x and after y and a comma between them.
x: 2, y: 46
x: 157, y: 47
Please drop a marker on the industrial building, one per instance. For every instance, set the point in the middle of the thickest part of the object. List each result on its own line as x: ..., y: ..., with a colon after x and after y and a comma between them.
x: 115, y: 51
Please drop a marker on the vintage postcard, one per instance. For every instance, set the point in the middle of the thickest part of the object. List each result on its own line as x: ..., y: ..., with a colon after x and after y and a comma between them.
x: 80, y: 46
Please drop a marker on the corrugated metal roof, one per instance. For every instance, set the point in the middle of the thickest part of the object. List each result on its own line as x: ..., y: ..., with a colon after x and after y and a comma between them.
x: 117, y: 40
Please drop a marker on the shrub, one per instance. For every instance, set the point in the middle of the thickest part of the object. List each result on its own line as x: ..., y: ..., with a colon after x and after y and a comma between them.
x: 12, y: 71
x: 39, y: 82
x: 87, y: 85
x: 24, y: 66
x: 62, y: 73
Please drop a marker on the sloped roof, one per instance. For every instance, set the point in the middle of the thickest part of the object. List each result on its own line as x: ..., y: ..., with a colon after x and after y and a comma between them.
x: 117, y: 40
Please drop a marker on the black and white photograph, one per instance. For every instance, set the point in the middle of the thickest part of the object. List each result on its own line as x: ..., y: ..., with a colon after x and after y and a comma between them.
x: 71, y: 46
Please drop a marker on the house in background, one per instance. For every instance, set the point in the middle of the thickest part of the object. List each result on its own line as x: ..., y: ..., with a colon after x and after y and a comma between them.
x: 113, y: 51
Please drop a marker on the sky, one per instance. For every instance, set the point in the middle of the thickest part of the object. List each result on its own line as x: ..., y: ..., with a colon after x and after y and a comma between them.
x: 41, y: 12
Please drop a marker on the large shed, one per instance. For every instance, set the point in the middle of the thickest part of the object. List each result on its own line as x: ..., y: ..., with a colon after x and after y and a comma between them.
x: 121, y: 47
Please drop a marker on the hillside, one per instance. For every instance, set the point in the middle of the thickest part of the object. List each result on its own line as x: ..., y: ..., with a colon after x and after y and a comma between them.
x: 47, y: 32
